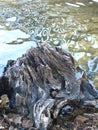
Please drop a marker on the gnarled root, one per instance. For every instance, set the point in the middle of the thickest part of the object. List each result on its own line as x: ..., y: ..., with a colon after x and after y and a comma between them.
x: 41, y: 80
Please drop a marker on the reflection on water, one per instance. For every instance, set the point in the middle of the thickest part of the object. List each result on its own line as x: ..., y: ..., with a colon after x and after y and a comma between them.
x: 71, y: 25
x: 13, y: 43
x: 7, y: 36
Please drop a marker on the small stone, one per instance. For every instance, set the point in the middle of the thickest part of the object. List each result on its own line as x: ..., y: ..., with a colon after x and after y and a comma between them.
x: 57, y: 126
x: 27, y: 123
x: 18, y: 120
x: 4, y: 101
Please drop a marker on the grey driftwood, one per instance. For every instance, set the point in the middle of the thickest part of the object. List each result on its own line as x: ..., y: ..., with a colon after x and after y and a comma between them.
x: 41, y: 82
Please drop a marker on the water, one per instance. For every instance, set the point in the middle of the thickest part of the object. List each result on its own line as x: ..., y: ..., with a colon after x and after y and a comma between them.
x: 71, y: 25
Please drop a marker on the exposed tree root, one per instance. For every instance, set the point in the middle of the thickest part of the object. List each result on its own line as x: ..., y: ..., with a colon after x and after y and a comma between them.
x: 41, y: 82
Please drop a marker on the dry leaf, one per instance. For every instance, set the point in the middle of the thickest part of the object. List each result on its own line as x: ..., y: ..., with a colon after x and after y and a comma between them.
x: 80, y: 119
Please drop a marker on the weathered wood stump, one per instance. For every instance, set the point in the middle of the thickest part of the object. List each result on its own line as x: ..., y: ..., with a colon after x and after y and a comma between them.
x: 41, y: 82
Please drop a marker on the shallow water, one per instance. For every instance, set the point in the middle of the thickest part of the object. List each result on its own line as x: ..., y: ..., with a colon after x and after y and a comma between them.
x: 71, y: 25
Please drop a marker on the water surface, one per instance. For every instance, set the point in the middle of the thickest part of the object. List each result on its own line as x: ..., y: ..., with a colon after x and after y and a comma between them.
x: 71, y: 25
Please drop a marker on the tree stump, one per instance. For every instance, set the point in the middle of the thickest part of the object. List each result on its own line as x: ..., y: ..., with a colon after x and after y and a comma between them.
x: 41, y: 82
